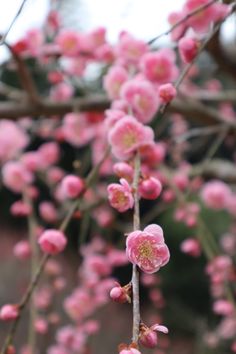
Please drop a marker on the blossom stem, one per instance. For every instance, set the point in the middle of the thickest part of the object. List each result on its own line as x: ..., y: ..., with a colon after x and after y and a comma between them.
x: 135, y: 274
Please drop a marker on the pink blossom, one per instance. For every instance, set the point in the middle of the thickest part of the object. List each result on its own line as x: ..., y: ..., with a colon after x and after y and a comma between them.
x: 124, y: 170
x: 150, y: 188
x: 113, y: 81
x: 15, y: 176
x: 41, y: 325
x: 68, y: 42
x: 188, y: 49
x: 48, y: 211
x: 191, y: 247
x: 154, y: 154
x: 201, y: 20
x: 20, y: 208
x: 79, y: 304
x: 223, y: 307
x: 147, y: 248
x: 76, y: 130
x: 22, y: 250
x: 57, y: 349
x: 113, y: 116
x: 179, y: 31
x: 215, y: 194
x: 55, y: 174
x: 130, y: 351
x: 31, y: 160
x: 72, y: 186
x: 96, y: 38
x: 159, y: 67
x: 34, y: 40
x: 10, y: 147
x: 52, y: 241
x: 49, y: 153
x: 130, y: 49
x: 167, y: 92
x: 148, y: 336
x: 120, y: 195
x: 9, y: 312
x: 127, y: 136
x: 142, y: 98
x: 62, y: 92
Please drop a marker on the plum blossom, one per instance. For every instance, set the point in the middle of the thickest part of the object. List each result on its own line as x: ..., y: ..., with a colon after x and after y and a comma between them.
x: 52, y: 241
x: 13, y: 146
x: 9, y: 312
x: 216, y: 194
x: 120, y: 195
x: 148, y: 336
x: 141, y: 96
x: 113, y: 81
x: 188, y: 48
x: 147, y: 249
x: 127, y: 136
x: 129, y: 49
x: 159, y: 67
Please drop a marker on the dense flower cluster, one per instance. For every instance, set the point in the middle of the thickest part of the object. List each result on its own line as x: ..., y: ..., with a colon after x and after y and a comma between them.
x: 99, y: 168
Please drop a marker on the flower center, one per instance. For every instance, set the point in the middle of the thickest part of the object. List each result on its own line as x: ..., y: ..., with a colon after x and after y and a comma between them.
x: 145, y: 250
x: 129, y: 139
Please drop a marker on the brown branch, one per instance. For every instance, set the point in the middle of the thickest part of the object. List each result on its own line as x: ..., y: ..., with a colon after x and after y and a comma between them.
x: 25, y: 76
x: 49, y: 108
x: 217, y: 168
x: 207, y: 96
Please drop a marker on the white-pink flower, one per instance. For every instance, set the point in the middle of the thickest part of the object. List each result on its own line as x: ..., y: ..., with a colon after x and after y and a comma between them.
x: 113, y: 81
x: 216, y: 194
x: 142, y: 98
x: 147, y: 249
x: 120, y: 195
x: 159, y: 67
x: 12, y: 140
x: 127, y: 136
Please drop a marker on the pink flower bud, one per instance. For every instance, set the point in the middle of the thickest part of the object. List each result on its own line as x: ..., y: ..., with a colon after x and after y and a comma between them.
x: 124, y: 170
x: 150, y: 188
x: 148, y: 336
x: 41, y: 325
x: 191, y: 247
x: 52, y: 241
x: 167, y: 92
x: 11, y: 350
x: 20, y: 208
x: 188, y: 48
x: 223, y: 307
x: 22, y: 250
x: 9, y: 312
x: 121, y: 294
x: 72, y: 186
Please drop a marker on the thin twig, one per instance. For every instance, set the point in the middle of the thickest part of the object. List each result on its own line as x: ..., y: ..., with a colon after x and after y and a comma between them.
x: 135, y: 274
x: 202, y: 131
x: 2, y: 41
x: 184, y: 19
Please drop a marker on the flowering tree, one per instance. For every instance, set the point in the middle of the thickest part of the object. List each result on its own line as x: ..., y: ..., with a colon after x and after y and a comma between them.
x: 120, y: 159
